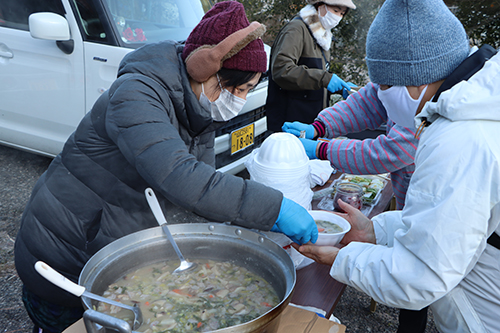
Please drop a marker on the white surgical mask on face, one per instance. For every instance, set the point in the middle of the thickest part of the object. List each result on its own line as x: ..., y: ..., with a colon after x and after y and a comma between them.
x: 400, y: 106
x: 330, y: 20
x: 225, y: 107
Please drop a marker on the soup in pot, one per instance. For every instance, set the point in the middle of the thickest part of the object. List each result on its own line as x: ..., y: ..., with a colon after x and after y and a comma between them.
x: 213, y: 296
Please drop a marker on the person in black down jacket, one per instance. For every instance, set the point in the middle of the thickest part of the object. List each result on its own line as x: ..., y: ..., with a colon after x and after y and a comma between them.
x: 153, y: 128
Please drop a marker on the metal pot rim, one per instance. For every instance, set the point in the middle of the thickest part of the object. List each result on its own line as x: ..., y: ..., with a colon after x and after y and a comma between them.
x: 250, y: 239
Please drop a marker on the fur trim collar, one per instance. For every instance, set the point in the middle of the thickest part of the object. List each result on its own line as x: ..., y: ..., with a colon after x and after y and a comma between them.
x: 322, y: 36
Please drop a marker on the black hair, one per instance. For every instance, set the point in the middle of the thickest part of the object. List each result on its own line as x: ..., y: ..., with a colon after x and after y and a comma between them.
x: 232, y: 78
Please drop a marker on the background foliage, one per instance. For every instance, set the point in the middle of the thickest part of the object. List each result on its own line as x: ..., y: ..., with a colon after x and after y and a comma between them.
x: 481, y: 19
x: 348, y: 47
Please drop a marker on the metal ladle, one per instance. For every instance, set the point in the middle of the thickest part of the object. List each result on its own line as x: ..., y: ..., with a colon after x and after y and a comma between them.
x: 160, y: 218
x: 62, y: 282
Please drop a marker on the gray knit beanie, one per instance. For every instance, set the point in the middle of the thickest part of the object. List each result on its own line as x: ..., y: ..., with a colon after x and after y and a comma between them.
x: 414, y: 42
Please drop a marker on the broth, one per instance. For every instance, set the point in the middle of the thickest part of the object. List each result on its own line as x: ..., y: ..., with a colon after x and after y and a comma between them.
x: 327, y: 227
x: 213, y: 296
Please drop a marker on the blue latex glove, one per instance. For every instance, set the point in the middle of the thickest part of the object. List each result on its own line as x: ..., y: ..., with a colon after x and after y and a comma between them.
x: 345, y: 92
x: 295, y: 128
x: 337, y: 84
x: 295, y: 222
x: 310, y: 146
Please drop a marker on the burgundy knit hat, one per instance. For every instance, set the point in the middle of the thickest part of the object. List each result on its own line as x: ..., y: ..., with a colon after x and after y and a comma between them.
x: 224, y: 38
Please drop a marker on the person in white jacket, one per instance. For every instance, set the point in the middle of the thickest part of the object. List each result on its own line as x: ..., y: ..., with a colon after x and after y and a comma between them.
x: 442, y: 249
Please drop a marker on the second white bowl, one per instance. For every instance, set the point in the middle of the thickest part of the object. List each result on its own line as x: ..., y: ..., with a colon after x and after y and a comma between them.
x: 330, y: 239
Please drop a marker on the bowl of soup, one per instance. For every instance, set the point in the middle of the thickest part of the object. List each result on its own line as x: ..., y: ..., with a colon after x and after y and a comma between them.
x: 331, y: 227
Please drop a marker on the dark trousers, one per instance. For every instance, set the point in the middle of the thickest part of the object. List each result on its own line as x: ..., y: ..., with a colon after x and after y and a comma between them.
x: 411, y: 321
x: 50, y: 317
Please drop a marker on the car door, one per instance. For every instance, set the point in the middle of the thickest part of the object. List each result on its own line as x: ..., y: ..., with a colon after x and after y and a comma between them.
x: 102, y: 53
x: 41, y: 87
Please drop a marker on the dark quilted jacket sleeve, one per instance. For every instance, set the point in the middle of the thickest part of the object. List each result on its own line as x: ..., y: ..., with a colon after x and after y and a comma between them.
x: 137, y: 122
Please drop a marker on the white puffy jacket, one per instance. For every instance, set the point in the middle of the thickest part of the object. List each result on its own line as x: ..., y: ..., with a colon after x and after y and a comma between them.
x: 434, y: 252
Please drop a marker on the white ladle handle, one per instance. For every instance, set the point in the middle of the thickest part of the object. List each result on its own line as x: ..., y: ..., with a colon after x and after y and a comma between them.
x: 160, y: 218
x: 155, y: 206
x: 62, y: 282
x: 59, y: 280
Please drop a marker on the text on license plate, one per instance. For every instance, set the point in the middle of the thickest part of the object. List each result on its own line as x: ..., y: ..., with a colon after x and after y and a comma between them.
x: 242, y: 138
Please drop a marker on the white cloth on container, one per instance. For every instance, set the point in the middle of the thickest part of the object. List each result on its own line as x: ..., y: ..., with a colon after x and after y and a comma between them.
x: 296, y: 187
x: 284, y: 166
x: 321, y: 170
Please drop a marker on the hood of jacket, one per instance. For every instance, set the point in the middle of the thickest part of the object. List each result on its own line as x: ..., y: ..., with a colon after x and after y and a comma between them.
x: 475, y: 99
x: 162, y: 62
x: 323, y: 37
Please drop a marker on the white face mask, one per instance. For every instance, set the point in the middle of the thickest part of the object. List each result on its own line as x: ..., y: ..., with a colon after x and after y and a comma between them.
x: 225, y: 107
x: 330, y: 20
x: 400, y: 106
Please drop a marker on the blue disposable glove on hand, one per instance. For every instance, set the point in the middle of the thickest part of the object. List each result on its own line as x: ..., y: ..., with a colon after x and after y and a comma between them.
x: 295, y: 222
x: 337, y: 84
x: 310, y: 146
x: 345, y: 92
x: 295, y: 128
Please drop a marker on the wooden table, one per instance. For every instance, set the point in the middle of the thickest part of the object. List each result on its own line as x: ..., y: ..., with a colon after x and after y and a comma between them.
x: 314, y: 286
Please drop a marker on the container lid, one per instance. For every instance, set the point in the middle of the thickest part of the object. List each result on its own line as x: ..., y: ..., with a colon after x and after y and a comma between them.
x: 282, y: 151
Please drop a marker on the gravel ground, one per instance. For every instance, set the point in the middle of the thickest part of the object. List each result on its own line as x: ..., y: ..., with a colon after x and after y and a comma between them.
x: 18, y: 173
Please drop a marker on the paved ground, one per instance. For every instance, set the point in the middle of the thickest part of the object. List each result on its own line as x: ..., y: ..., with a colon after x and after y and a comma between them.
x: 19, y: 172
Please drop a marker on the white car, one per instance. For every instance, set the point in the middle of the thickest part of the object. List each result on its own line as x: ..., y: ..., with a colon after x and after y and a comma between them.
x: 58, y: 56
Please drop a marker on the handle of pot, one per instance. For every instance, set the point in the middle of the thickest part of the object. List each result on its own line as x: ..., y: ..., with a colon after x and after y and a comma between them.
x: 155, y: 206
x: 59, y: 280
x: 92, y: 318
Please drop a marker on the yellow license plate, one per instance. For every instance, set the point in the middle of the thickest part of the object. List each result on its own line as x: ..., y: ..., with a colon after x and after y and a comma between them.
x: 242, y: 138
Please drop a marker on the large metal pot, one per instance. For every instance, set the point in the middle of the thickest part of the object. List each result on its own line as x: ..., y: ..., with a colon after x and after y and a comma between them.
x: 216, y: 241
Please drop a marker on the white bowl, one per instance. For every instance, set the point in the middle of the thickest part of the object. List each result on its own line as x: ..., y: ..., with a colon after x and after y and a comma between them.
x: 282, y: 151
x: 330, y: 239
x: 282, y: 173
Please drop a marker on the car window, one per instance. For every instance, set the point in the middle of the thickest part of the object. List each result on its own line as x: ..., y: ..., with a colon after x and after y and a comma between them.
x: 15, y: 13
x: 149, y: 21
x: 90, y: 22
